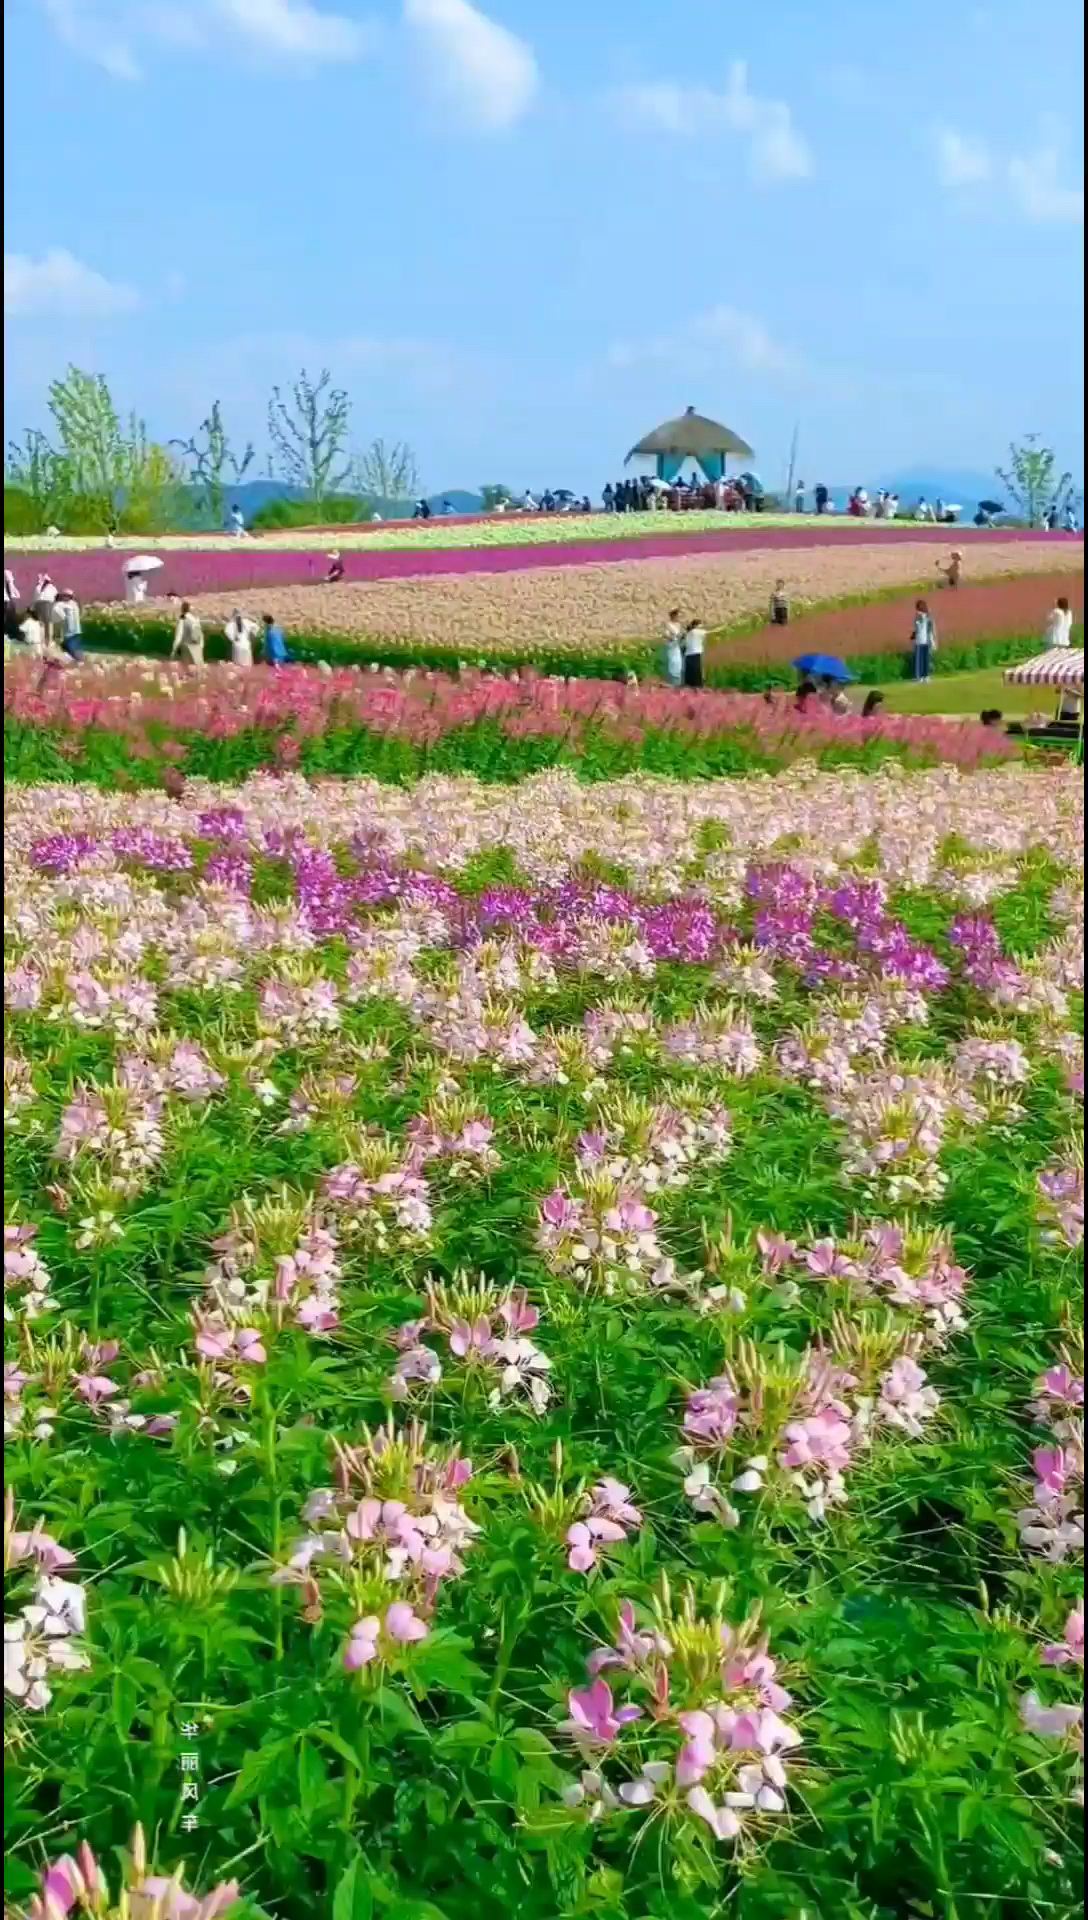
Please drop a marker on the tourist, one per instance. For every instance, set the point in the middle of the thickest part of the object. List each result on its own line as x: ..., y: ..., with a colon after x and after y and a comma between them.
x: 873, y: 703
x: 448, y: 507
x: 821, y: 497
x: 891, y: 507
x: 1050, y: 518
x: 953, y: 569
x: 32, y: 634
x: 1059, y: 624
x: 780, y: 605
x: 70, y: 621
x: 807, y: 691
x: 275, y: 646
x: 335, y: 569
x: 1069, y: 705
x: 674, y: 649
x: 422, y: 510
x: 991, y: 717
x: 188, y: 637
x: 241, y: 633
x: 694, y: 642
x: 923, y: 511
x: 923, y: 641
x: 45, y: 599
x: 135, y: 588
x: 237, y: 523
x: 880, y: 505
x: 1072, y: 524
x: 799, y: 497
x: 839, y: 701
x: 939, y: 511
x: 608, y: 498
x: 528, y: 503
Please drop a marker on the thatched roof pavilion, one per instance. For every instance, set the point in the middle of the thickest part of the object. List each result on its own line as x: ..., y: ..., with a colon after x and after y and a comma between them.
x: 691, y: 437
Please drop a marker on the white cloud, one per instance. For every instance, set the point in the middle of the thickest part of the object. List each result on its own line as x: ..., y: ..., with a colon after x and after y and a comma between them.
x: 776, y: 149
x: 961, y: 161
x: 121, y: 36
x: 484, y: 73
x: 1038, y: 189
x: 1032, y: 182
x: 294, y: 28
x: 58, y: 283
x: 722, y: 335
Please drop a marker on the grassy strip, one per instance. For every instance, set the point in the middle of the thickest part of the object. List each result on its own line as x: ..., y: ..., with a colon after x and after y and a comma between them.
x: 153, y: 639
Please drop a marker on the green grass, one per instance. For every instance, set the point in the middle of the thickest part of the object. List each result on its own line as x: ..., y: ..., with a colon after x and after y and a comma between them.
x: 968, y: 693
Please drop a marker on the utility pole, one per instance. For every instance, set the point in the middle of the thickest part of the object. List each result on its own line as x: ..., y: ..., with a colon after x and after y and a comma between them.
x: 792, y: 474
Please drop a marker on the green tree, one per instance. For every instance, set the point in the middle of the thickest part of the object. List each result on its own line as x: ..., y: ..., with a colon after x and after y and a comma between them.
x: 388, y: 472
x: 1032, y: 478
x: 41, y: 476
x: 309, y: 434
x: 91, y: 439
x: 213, y: 464
x: 494, y: 495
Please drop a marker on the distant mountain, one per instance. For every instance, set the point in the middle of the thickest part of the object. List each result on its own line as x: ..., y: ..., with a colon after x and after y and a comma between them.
x: 962, y: 486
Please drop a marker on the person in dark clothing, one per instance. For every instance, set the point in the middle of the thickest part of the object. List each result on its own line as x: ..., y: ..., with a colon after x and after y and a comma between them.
x: 621, y: 496
x: 873, y: 703
x: 608, y: 498
x: 806, y: 693
x: 991, y: 717
x: 821, y: 497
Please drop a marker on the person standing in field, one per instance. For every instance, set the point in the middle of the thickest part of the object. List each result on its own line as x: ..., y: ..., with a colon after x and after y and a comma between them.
x: 799, y: 498
x: 923, y: 642
x: 70, y: 621
x: 237, y: 523
x: 780, y: 605
x: 821, y: 497
x: 674, y: 649
x: 275, y: 646
x: 953, y: 571
x: 694, y: 643
x: 1059, y: 624
x: 241, y: 633
x: 188, y: 638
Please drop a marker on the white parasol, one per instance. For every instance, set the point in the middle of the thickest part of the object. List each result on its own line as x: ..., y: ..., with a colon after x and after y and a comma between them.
x: 143, y: 563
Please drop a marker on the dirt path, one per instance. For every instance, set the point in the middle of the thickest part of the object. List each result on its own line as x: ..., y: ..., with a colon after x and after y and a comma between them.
x: 984, y: 611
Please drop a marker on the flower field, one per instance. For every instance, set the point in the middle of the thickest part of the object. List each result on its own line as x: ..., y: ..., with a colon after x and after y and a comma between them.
x: 494, y: 533
x: 96, y: 573
x: 603, y: 610
x: 544, y: 1370
x: 222, y: 722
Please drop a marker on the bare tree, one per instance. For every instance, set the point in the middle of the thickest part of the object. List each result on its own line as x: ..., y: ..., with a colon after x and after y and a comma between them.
x: 309, y: 435
x: 1032, y: 478
x: 388, y: 472
x: 213, y: 463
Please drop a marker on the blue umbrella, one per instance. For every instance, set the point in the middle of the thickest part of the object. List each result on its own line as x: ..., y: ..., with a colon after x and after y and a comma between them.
x: 823, y: 666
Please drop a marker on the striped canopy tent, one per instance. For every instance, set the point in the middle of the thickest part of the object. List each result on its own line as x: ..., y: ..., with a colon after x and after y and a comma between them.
x: 1058, y: 667
x: 691, y: 437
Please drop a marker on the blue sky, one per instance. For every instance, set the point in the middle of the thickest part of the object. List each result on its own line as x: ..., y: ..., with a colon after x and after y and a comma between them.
x: 521, y: 235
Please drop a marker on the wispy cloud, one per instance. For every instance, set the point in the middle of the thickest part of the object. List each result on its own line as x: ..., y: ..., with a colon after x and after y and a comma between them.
x: 484, y: 74
x: 722, y: 335
x: 1034, y: 182
x: 121, y: 36
x: 776, y: 149
x: 59, y: 284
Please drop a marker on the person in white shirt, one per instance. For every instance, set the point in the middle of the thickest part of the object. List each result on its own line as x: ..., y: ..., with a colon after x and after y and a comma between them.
x: 694, y: 642
x: 1059, y: 624
x: 923, y: 511
x: 45, y: 599
x: 891, y: 507
x: 33, y: 633
x: 188, y: 637
x: 237, y: 523
x: 241, y: 633
x: 799, y: 497
x: 674, y: 649
x: 135, y: 588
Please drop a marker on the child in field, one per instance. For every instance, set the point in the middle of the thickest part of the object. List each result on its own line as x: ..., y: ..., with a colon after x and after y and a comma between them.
x: 780, y: 605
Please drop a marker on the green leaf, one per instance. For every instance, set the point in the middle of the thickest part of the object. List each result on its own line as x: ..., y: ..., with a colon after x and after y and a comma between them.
x: 352, y: 1899
x: 313, y: 1778
x: 261, y: 1769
